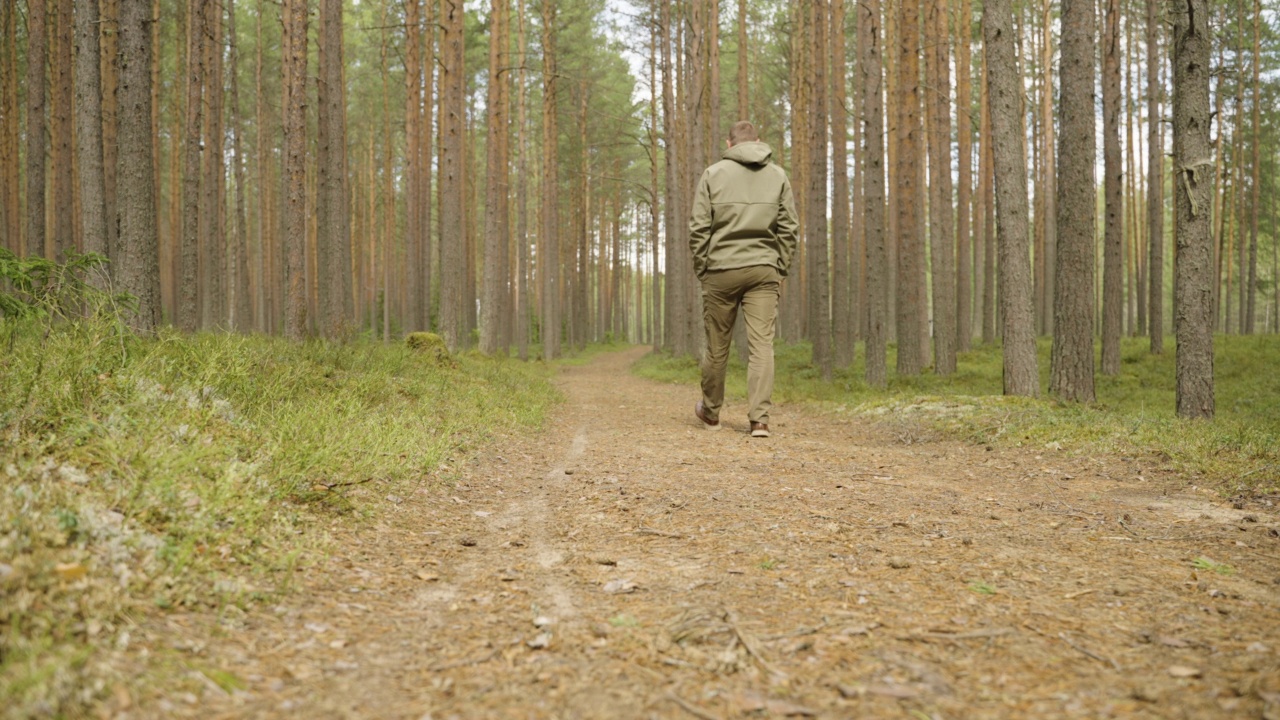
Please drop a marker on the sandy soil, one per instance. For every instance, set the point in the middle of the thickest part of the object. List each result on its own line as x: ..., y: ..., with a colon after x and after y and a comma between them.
x: 626, y: 563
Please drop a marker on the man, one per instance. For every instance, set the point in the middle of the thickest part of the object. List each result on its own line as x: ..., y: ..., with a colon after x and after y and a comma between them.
x: 743, y: 234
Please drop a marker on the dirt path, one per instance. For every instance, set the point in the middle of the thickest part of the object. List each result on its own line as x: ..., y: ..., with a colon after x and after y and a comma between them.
x: 628, y: 564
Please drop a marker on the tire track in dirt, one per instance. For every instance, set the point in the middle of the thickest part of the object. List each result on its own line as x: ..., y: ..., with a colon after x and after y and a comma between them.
x: 838, y: 569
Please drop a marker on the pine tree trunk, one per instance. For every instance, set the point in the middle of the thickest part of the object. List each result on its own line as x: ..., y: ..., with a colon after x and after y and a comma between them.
x: 906, y: 179
x: 1193, y: 310
x: 1155, y: 184
x: 495, y: 224
x: 842, y: 318
x: 294, y: 66
x: 873, y: 137
x: 1021, y: 376
x: 524, y: 312
x: 744, y: 96
x: 986, y: 180
x: 89, y: 129
x: 64, y: 240
x: 37, y: 53
x: 1113, y: 191
x: 816, y: 229
x: 138, y: 270
x: 941, y: 219
x: 1071, y: 366
x: 964, y: 172
x: 188, y: 307
x: 212, y: 215
x: 239, y: 278
x: 334, y: 239
x: 453, y: 240
x: 426, y: 148
x: 1050, y: 174
x: 548, y: 257
x: 412, y: 172
x: 1251, y: 283
x: 10, y: 221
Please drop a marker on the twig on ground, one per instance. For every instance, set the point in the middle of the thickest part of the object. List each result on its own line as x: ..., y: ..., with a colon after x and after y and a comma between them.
x: 690, y: 708
x: 465, y: 663
x: 659, y: 533
x: 975, y: 635
x: 1088, y: 652
x: 748, y: 642
x: 798, y: 632
x: 862, y: 477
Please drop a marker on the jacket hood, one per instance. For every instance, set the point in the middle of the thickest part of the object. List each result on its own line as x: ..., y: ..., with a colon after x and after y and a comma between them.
x: 750, y: 153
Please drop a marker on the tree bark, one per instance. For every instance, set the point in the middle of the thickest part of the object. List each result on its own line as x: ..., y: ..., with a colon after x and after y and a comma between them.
x: 412, y: 172
x: 452, y: 187
x: 188, y: 307
x: 524, y: 312
x: 910, y: 142
x: 37, y: 54
x: 138, y: 269
x: 1155, y: 185
x: 843, y: 319
x: 1251, y: 283
x: 1113, y: 191
x: 10, y: 194
x: 1071, y: 365
x: 294, y: 66
x: 873, y: 136
x: 239, y: 277
x: 549, y: 256
x: 964, y: 171
x: 492, y: 305
x: 93, y: 209
x: 1050, y: 174
x: 334, y: 241
x: 64, y: 240
x: 1021, y: 376
x: 816, y: 229
x: 941, y: 219
x: 212, y: 215
x: 1193, y: 309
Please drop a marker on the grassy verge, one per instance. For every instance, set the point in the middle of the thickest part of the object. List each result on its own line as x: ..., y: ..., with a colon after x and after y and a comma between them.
x: 1237, y: 453
x: 139, y: 475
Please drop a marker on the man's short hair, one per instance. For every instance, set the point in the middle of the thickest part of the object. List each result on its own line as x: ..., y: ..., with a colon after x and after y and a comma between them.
x: 743, y: 131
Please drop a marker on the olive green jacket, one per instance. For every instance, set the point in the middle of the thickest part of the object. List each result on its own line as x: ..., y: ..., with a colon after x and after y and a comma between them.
x: 743, y: 213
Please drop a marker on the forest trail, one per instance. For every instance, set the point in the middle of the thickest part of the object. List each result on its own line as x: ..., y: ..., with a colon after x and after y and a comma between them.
x: 626, y: 563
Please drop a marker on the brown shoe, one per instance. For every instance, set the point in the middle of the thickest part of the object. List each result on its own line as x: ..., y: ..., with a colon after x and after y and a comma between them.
x: 707, y: 423
x: 759, y: 429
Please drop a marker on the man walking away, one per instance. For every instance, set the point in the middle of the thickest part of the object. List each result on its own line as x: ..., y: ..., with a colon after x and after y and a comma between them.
x: 743, y: 234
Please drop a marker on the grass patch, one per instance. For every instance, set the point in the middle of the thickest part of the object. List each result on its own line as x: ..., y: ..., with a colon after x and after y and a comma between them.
x: 1237, y: 453
x: 139, y: 475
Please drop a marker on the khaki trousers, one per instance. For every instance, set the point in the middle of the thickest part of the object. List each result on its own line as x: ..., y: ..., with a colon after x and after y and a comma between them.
x: 756, y: 290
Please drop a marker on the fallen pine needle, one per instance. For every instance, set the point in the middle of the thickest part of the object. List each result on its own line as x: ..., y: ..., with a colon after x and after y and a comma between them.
x: 690, y: 708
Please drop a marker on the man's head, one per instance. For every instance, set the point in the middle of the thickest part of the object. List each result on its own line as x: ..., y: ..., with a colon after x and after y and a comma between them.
x: 742, y: 131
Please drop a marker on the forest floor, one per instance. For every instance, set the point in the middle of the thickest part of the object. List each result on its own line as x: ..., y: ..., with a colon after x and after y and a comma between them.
x: 626, y: 563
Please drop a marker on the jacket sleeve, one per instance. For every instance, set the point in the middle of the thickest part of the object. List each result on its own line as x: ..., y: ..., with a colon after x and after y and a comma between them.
x: 700, y: 227
x: 787, y: 227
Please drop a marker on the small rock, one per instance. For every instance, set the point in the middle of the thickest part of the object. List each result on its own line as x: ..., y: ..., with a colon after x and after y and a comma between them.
x: 604, y: 561
x: 542, y: 621
x: 1182, y: 671
x: 467, y: 541
x: 541, y: 642
x: 1258, y: 647
x: 395, y: 499
x: 899, y: 563
x: 568, y: 471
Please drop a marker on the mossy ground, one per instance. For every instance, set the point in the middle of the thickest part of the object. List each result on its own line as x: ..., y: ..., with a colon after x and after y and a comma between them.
x: 190, y: 471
